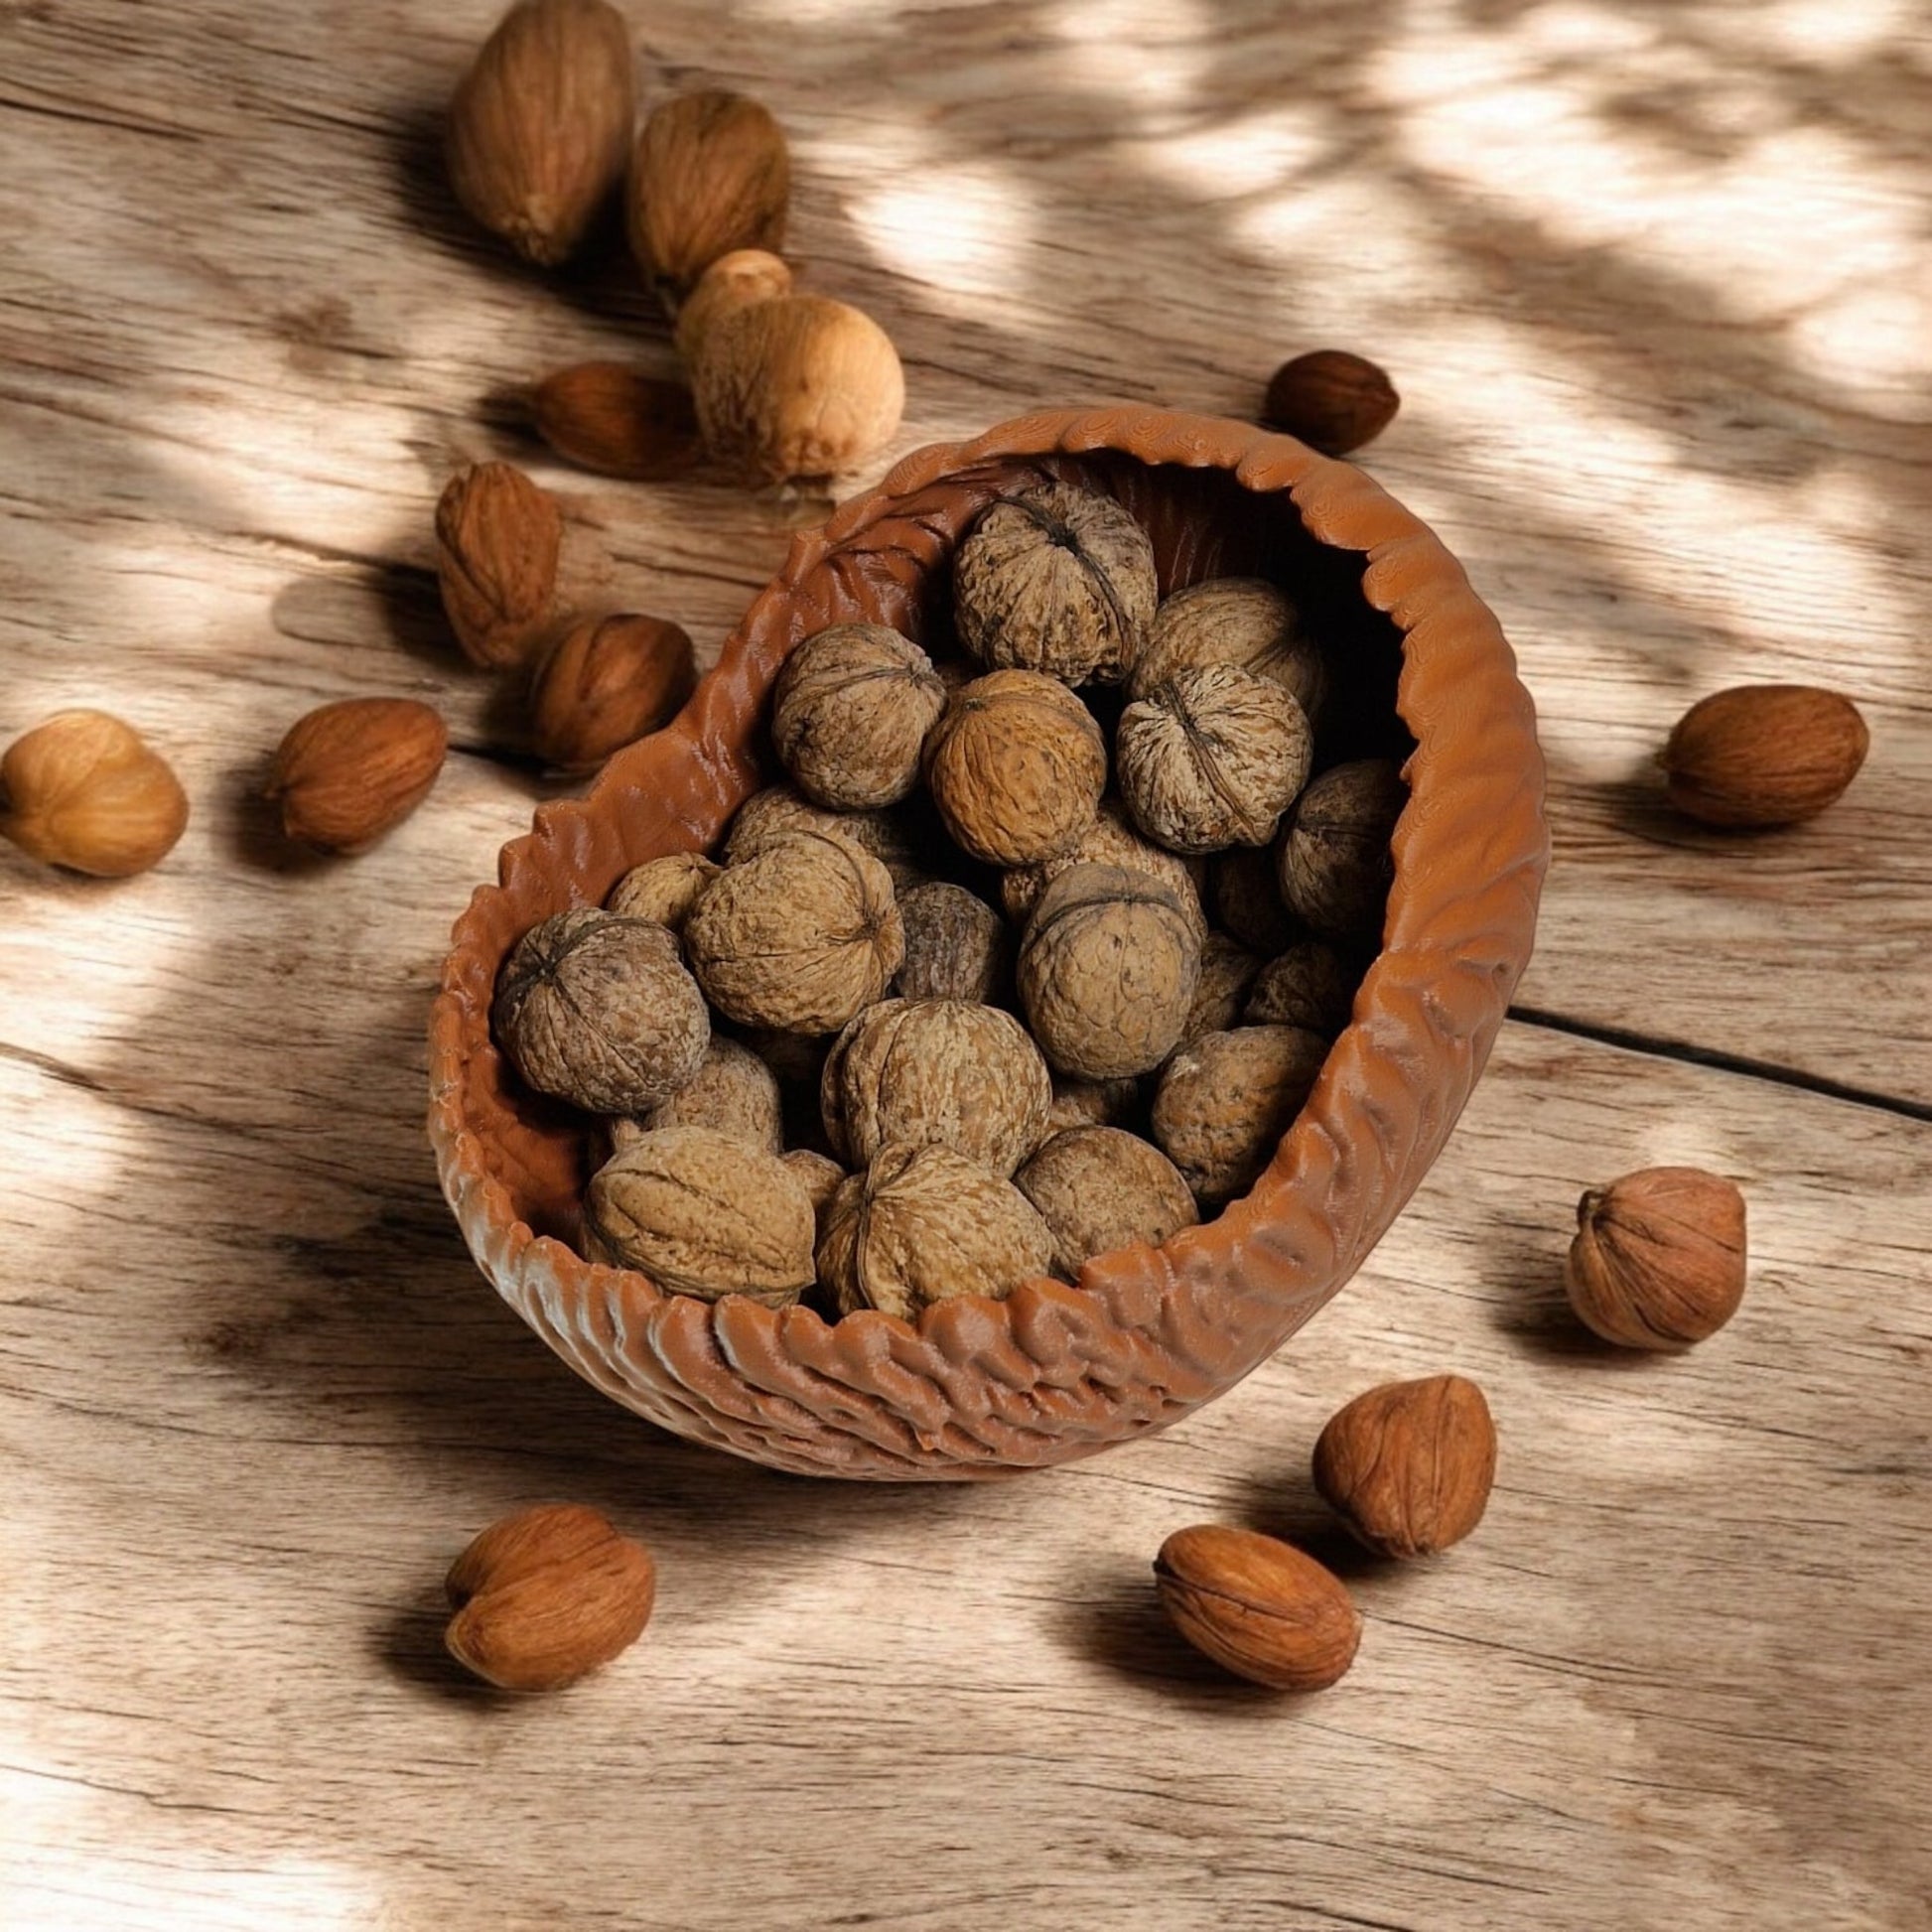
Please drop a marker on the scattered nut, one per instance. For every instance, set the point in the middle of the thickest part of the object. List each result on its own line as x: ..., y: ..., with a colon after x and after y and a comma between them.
x: 701, y: 1212
x: 924, y: 1224
x: 1333, y: 400
x: 1015, y: 765
x: 86, y: 791
x: 618, y: 422
x: 1098, y: 1189
x: 1763, y: 754
x: 499, y: 537
x: 956, y: 946
x: 600, y: 1011
x: 1212, y: 757
x: 711, y: 174
x: 664, y: 890
x: 1258, y: 1607
x: 1309, y: 986
x: 546, y: 1596
x: 540, y: 127
x: 1111, y: 840
x: 850, y: 714
x: 1058, y: 580
x: 1226, y: 1099
x: 1240, y: 620
x: 1658, y: 1256
x: 349, y: 772
x: 1335, y: 864
x: 605, y: 683
x: 1408, y: 1465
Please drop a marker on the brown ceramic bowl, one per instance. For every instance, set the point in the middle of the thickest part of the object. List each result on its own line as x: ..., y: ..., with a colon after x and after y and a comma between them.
x: 980, y: 1388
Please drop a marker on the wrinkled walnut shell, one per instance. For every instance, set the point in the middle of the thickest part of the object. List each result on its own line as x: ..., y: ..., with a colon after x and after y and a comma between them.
x: 732, y: 1092
x: 850, y: 714
x: 1111, y: 840
x: 664, y: 890
x: 1099, y: 1188
x: 1245, y: 887
x: 1310, y: 985
x: 1240, y: 620
x: 1335, y: 864
x: 956, y: 946
x: 779, y: 809
x: 1227, y: 970
x: 1226, y: 1101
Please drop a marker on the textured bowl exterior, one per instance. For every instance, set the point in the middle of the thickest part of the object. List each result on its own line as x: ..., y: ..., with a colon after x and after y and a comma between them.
x: 1054, y: 1372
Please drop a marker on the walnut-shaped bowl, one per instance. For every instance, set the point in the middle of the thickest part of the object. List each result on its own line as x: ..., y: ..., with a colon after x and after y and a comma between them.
x: 980, y: 1388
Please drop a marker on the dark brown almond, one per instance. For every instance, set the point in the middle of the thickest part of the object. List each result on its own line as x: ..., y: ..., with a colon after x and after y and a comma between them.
x: 617, y: 421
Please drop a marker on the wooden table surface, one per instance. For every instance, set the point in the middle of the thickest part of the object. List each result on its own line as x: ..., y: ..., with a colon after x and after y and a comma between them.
x: 1656, y: 284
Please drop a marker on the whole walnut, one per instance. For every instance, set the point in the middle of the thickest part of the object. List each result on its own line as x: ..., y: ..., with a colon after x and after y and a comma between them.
x: 1240, y: 620
x: 1107, y: 971
x: 1335, y: 864
x: 1212, y: 757
x: 1016, y: 766
x: 780, y: 809
x: 919, y: 1071
x: 1310, y: 985
x: 924, y: 1224
x: 1226, y: 1099
x: 664, y: 890
x: 1111, y: 840
x: 1055, y: 579
x: 850, y: 714
x: 1099, y: 1190
x: 702, y: 1213
x: 1227, y: 970
x: 1090, y: 1103
x: 820, y: 1176
x: 600, y: 1011
x: 733, y: 1091
x: 800, y: 935
x: 956, y: 946
x: 1245, y: 886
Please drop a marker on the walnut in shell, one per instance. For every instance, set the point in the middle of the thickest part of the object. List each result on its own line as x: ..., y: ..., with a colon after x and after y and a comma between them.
x: 732, y: 1092
x: 1107, y: 971
x: 918, y: 1070
x: 956, y: 946
x: 1212, y: 757
x: 850, y: 714
x: 1111, y: 840
x: 780, y: 808
x: 1090, y: 1103
x: 1335, y: 864
x: 702, y: 1213
x: 1240, y: 620
x: 664, y: 890
x: 1227, y: 970
x: 924, y: 1224
x: 1055, y: 579
x: 819, y: 1173
x: 1310, y: 985
x: 600, y: 1011
x: 1245, y: 887
x: 1098, y: 1189
x: 1016, y: 766
x: 1226, y: 1099
x: 798, y: 937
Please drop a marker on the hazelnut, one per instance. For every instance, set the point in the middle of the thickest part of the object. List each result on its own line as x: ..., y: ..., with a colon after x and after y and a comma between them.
x: 1245, y: 887
x: 799, y: 935
x: 1335, y: 863
x: 499, y: 537
x: 1212, y: 757
x: 1226, y: 1099
x: 1227, y: 970
x: 1258, y: 1606
x: 1333, y: 400
x: 1309, y: 986
x: 1763, y: 754
x: 349, y: 772
x: 664, y: 890
x: 711, y: 174
x: 956, y: 946
x: 924, y: 1224
x: 850, y: 713
x: 1015, y: 765
x: 605, y: 683
x: 1658, y: 1258
x: 1240, y: 620
x: 913, y: 1071
x: 547, y: 1596
x: 1098, y: 1189
x: 600, y: 1011
x: 732, y: 1092
x: 702, y: 1213
x: 1055, y: 579
x: 86, y: 791
x: 618, y: 422
x: 1111, y: 840
x: 540, y: 127
x: 1409, y: 1465
x: 1107, y: 972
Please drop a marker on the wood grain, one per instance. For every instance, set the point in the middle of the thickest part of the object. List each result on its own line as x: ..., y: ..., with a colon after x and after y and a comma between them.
x: 1654, y: 283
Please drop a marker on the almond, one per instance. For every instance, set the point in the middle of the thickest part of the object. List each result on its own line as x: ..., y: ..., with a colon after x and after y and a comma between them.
x: 711, y: 173
x: 607, y: 681
x: 1763, y: 754
x: 1333, y: 400
x: 605, y: 417
x: 87, y: 791
x: 546, y: 1596
x: 499, y: 537
x: 349, y: 771
x: 1409, y: 1465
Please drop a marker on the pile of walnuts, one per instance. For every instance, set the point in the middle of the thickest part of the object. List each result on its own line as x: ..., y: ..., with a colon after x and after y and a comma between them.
x: 946, y: 1011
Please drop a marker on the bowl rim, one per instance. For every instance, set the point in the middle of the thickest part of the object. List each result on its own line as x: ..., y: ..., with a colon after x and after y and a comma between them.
x: 1457, y: 674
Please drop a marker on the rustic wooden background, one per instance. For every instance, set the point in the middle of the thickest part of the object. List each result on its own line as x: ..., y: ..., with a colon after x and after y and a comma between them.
x: 1655, y: 281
